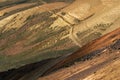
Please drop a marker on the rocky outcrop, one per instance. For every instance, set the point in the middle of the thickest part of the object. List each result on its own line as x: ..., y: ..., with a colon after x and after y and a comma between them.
x: 33, y: 31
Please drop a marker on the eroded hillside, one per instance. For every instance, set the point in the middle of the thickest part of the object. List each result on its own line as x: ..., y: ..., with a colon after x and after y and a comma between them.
x: 35, y: 30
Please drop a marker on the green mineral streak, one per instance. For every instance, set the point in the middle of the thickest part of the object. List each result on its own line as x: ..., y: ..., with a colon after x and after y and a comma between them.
x: 8, y: 62
x: 91, y: 37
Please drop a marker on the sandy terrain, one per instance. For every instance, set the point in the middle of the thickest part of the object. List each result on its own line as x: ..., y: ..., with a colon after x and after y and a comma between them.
x: 105, y: 67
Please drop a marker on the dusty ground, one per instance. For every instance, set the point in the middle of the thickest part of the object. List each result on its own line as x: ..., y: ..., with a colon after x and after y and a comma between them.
x: 102, y: 67
x: 31, y: 34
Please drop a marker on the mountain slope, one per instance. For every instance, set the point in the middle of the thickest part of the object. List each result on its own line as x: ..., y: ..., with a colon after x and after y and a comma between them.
x: 32, y: 31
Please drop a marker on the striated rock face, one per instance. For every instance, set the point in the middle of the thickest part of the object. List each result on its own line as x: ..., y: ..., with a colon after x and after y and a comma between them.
x: 35, y: 30
x: 106, y: 66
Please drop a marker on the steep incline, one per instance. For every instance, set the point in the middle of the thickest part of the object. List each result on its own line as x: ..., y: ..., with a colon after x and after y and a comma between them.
x: 35, y: 30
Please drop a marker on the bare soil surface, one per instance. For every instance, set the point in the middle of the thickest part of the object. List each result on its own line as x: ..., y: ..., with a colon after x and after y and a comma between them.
x: 102, y: 67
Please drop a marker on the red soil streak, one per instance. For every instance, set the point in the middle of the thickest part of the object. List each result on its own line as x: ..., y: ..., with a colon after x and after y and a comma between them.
x: 97, y: 44
x: 2, y: 12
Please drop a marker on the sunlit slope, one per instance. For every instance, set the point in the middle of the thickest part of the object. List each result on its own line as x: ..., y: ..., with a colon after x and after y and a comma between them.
x: 49, y: 30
